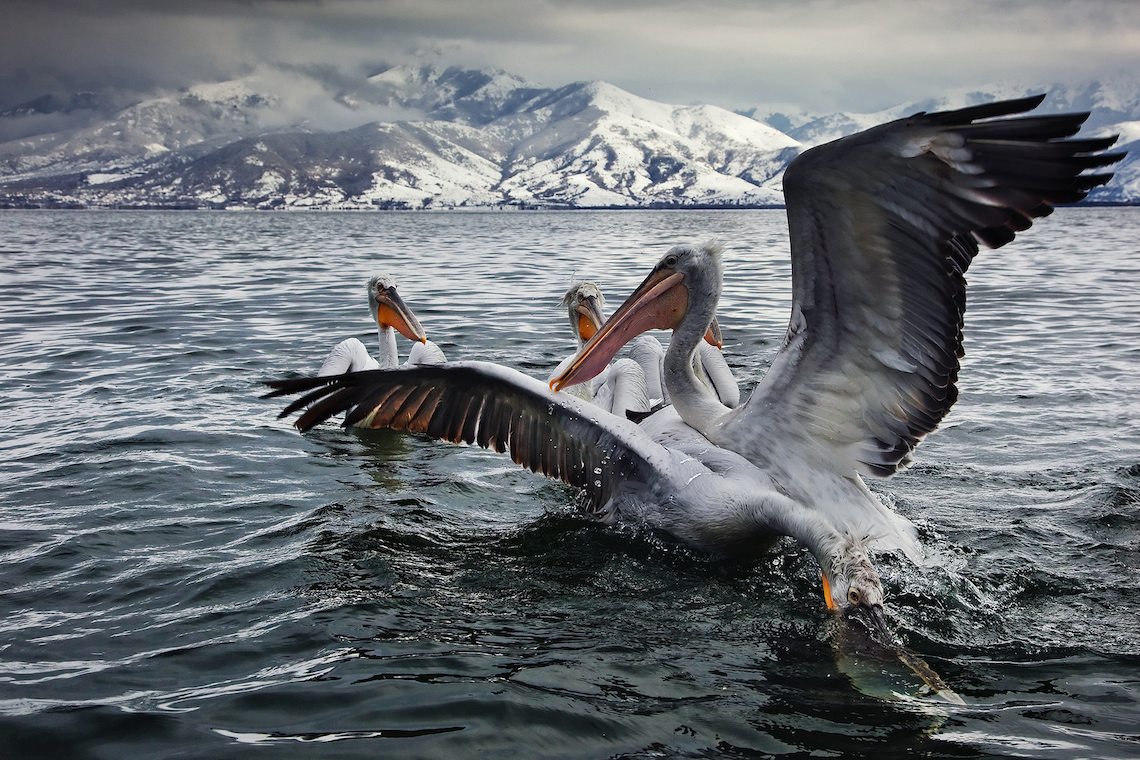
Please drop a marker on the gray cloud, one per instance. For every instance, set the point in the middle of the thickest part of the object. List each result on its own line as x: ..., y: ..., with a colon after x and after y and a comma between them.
x: 819, y: 54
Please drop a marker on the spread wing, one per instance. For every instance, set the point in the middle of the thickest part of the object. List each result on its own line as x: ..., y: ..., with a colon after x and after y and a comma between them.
x: 883, y: 226
x: 495, y: 407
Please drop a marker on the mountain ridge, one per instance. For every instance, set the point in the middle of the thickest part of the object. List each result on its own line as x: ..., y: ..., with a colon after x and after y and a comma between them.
x: 447, y: 138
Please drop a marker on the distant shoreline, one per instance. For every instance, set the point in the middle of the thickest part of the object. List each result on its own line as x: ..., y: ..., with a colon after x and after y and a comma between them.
x: 7, y: 206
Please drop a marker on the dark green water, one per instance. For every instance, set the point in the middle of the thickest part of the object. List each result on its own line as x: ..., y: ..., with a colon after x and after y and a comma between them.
x: 183, y: 576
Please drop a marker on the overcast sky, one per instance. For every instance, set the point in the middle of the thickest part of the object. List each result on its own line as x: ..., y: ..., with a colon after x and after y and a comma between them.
x: 822, y: 55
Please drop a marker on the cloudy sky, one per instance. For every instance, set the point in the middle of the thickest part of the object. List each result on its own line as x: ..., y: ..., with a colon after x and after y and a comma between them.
x: 822, y: 55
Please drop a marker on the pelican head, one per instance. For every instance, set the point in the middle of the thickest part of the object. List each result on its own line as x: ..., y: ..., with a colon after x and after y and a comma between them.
x: 585, y: 302
x: 684, y: 286
x: 389, y: 310
x: 852, y: 589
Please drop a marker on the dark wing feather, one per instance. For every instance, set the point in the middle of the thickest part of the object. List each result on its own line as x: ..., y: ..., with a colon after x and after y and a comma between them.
x: 492, y: 406
x: 884, y: 225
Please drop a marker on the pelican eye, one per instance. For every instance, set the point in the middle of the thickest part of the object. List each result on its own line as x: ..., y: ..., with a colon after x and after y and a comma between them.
x: 854, y: 596
x: 670, y: 261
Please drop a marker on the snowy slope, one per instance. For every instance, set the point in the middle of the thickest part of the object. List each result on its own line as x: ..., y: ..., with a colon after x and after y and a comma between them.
x: 1125, y: 185
x: 1113, y: 105
x: 603, y: 146
x: 409, y: 164
x: 473, y: 97
x: 424, y: 137
x: 205, y: 115
x: 1110, y: 101
x: 479, y: 138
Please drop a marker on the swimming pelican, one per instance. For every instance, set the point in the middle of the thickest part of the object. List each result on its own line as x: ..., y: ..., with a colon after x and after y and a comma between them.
x: 883, y: 225
x: 712, y: 369
x: 391, y: 314
x: 709, y: 366
x: 637, y: 384
x: 621, y: 386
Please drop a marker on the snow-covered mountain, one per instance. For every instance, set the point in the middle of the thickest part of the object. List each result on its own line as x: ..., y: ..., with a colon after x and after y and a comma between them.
x: 1125, y: 184
x: 596, y: 145
x: 464, y: 138
x: 1113, y: 105
x: 468, y: 96
x: 420, y: 137
x: 1109, y: 102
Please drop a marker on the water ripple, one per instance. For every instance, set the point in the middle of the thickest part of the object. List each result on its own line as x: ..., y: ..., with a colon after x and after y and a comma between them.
x: 179, y: 569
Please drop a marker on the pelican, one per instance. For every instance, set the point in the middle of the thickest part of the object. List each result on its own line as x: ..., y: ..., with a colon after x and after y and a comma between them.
x: 837, y: 517
x: 709, y: 366
x: 637, y: 384
x: 621, y: 386
x: 391, y: 314
x: 883, y: 225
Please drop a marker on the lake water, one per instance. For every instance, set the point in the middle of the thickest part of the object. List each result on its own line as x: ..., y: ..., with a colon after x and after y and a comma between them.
x: 183, y: 575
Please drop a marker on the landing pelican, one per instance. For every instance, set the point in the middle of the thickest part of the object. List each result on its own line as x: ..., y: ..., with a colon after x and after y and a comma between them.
x: 883, y: 225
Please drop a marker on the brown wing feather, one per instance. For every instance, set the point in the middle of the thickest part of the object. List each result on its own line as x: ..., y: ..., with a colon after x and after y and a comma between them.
x: 488, y: 405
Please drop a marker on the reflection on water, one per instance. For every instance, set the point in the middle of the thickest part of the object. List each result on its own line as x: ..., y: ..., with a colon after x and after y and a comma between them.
x: 183, y: 574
